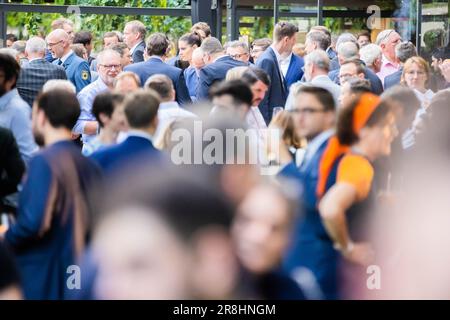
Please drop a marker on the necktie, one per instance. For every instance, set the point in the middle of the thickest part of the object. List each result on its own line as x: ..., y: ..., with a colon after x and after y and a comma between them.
x: 60, y: 62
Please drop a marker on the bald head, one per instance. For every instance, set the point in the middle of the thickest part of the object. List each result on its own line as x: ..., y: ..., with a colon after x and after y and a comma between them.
x: 58, y: 42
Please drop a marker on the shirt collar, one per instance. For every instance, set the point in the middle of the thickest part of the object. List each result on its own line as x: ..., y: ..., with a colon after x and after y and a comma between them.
x: 385, y: 61
x: 168, y: 105
x: 315, y: 143
x: 140, y: 134
x: 134, y: 47
x: 67, y: 55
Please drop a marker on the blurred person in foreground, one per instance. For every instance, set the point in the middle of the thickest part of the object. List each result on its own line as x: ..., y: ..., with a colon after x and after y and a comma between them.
x: 158, y: 239
x: 261, y: 232
x: 347, y: 199
x: 10, y: 286
x: 52, y: 223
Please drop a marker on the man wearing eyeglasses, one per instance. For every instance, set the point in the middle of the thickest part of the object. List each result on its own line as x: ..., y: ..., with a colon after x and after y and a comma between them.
x: 108, y: 67
x: 77, y: 69
x: 387, y: 40
x: 238, y: 50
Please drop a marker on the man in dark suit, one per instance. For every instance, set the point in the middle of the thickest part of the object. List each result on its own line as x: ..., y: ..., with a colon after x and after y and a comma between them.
x: 157, y: 47
x: 12, y: 166
x: 37, y: 72
x: 217, y: 66
x: 403, y: 51
x: 49, y: 234
x: 275, y: 62
x: 141, y: 111
x: 134, y: 38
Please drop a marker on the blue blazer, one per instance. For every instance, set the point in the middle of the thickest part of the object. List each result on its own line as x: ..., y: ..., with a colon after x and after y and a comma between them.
x: 43, y: 250
x: 213, y: 73
x: 278, y: 92
x: 121, y: 156
x: 156, y: 66
x: 393, y: 79
x: 311, y: 247
x: 77, y: 71
x: 375, y: 82
x: 295, y: 72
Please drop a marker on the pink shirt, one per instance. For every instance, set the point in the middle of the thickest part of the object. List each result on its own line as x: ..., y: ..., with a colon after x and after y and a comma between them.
x: 387, y: 68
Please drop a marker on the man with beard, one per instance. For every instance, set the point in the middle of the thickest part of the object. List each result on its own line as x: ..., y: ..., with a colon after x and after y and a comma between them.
x: 14, y: 111
x: 108, y: 66
x: 52, y: 221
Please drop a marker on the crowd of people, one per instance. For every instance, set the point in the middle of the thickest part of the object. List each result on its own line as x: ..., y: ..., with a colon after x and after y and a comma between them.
x: 94, y: 176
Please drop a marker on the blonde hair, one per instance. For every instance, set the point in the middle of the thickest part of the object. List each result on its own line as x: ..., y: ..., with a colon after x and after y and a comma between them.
x: 284, y: 121
x: 421, y: 62
x: 236, y: 73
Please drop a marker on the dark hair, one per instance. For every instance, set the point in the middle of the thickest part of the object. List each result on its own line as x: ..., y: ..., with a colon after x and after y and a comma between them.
x: 78, y: 49
x: 358, y: 85
x: 110, y: 34
x: 319, y: 37
x: 191, y: 39
x: 157, y: 44
x: 344, y: 126
x: 284, y: 29
x: 10, y: 67
x: 322, y: 95
x: 364, y: 33
x: 441, y: 53
x: 11, y: 37
x: 141, y: 108
x: 357, y: 63
x: 263, y: 43
x: 83, y: 37
x: 119, y: 48
x: 105, y: 103
x: 238, y: 89
x: 59, y: 116
x: 249, y: 77
x: 202, y: 26
x: 261, y: 74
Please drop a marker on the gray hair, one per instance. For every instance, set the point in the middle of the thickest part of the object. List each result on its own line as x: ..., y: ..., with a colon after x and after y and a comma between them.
x: 320, y: 38
x: 35, y: 45
x: 58, y: 84
x: 211, y: 46
x: 19, y: 45
x: 370, y: 53
x: 237, y: 44
x: 318, y: 58
x: 10, y: 51
x: 346, y: 37
x: 137, y: 27
x: 383, y: 36
x: 102, y: 54
x: 405, y: 50
x: 348, y: 51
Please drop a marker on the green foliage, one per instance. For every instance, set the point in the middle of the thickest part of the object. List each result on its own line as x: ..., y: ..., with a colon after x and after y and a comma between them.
x: 39, y: 24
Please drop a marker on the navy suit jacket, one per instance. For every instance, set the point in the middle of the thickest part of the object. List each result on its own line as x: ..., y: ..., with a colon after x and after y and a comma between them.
x: 119, y: 157
x: 375, y: 82
x: 295, y: 72
x: 47, y: 229
x: 77, y: 71
x: 33, y: 77
x: 277, y: 94
x: 215, y: 72
x: 393, y: 79
x: 156, y: 66
x: 138, y: 53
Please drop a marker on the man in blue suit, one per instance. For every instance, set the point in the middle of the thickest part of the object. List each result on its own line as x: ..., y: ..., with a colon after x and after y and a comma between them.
x: 217, y: 65
x: 49, y: 234
x: 311, y: 254
x: 77, y: 69
x: 157, y: 46
x: 276, y: 62
x: 141, y: 111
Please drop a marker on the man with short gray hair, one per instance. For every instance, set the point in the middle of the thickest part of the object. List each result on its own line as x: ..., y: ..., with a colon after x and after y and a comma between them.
x: 38, y: 70
x: 371, y: 55
x: 387, y: 40
x: 238, y: 50
x: 217, y: 64
x: 134, y: 38
x: 403, y: 51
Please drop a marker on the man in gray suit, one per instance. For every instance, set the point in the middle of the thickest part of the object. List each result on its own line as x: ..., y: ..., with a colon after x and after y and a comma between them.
x: 317, y: 65
x: 38, y: 71
x: 134, y: 38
